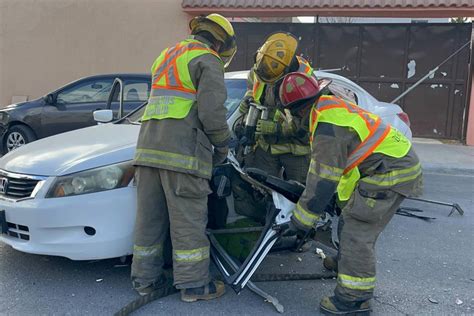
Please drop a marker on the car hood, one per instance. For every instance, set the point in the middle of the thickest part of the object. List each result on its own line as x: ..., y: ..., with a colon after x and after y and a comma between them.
x: 74, y: 151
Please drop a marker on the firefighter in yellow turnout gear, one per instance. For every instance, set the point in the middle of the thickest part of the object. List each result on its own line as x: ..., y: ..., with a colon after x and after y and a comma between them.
x: 370, y: 165
x: 183, y: 133
x: 282, y: 140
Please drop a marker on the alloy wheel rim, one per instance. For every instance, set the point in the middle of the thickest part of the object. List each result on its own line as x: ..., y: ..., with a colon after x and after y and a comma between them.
x: 15, y: 140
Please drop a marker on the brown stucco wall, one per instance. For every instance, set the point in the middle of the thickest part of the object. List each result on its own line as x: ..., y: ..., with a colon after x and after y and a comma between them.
x: 47, y: 43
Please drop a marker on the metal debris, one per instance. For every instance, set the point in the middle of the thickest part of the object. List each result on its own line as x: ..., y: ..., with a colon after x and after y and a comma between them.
x: 458, y: 301
x: 99, y: 280
x: 299, y: 259
x: 432, y: 300
x: 121, y: 265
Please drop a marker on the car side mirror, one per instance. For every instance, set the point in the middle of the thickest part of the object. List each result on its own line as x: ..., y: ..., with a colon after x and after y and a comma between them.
x: 103, y: 116
x: 49, y: 99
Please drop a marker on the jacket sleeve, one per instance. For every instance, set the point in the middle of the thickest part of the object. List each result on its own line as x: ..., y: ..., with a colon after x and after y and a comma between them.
x: 330, y: 149
x: 211, y: 95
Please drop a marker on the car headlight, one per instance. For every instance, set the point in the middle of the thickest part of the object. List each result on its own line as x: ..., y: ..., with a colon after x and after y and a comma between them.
x: 94, y: 180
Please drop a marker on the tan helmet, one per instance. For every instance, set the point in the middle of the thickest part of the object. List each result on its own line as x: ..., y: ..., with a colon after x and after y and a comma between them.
x: 221, y: 29
x: 275, y: 56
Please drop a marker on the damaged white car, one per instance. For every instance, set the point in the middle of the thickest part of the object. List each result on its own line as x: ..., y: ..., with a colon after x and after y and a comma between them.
x: 73, y: 194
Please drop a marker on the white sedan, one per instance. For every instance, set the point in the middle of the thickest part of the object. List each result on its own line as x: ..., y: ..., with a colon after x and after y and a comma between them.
x: 73, y: 194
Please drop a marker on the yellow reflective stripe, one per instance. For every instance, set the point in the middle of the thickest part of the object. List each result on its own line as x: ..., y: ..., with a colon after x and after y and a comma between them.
x: 173, y: 160
x: 192, y: 255
x: 304, y: 217
x: 142, y: 251
x: 356, y: 283
x: 325, y: 171
x: 394, y: 177
x: 295, y: 149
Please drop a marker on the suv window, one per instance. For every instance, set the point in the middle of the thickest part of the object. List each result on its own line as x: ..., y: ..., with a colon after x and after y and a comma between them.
x: 86, y: 92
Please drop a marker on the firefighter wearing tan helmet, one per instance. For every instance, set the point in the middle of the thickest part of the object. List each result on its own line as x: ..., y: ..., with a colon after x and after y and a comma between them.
x: 281, y: 140
x: 370, y: 165
x: 183, y: 134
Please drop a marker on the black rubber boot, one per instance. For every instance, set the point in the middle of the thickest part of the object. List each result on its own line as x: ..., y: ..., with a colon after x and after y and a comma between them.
x: 333, y: 306
x: 208, y: 292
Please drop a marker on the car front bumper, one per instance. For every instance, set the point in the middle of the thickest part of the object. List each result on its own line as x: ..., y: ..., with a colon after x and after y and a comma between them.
x: 57, y: 226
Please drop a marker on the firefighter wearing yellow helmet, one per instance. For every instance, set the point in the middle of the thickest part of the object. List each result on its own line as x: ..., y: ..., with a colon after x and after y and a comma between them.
x: 282, y: 140
x: 183, y: 134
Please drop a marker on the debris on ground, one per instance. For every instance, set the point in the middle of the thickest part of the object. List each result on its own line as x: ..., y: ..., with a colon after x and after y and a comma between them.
x: 321, y: 253
x: 458, y: 301
x: 299, y: 259
x: 121, y: 265
x: 99, y: 280
x: 432, y: 300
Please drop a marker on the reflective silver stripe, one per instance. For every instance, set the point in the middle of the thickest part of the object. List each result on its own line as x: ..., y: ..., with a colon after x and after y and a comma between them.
x: 394, y: 177
x: 171, y: 93
x: 192, y: 255
x: 325, y: 171
x: 354, y: 109
x: 171, y: 78
x: 173, y: 53
x: 305, y: 217
x: 141, y: 251
x: 166, y: 62
x: 325, y: 102
x: 173, y: 160
x: 369, y: 142
x: 356, y: 283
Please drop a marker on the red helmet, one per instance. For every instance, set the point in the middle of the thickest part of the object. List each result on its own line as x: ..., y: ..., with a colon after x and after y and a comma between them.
x: 296, y: 87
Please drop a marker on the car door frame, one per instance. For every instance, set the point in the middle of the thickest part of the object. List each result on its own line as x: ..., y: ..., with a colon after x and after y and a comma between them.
x: 45, y: 125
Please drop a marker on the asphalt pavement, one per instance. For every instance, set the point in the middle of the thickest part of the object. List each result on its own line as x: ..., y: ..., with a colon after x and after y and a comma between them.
x: 423, y: 268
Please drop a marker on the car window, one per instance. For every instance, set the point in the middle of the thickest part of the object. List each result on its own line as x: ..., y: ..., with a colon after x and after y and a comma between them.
x: 236, y: 89
x: 135, y: 91
x: 85, y: 92
x: 343, y: 92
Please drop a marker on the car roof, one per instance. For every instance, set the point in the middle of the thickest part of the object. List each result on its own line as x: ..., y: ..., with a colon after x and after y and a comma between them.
x: 144, y: 75
x: 242, y: 74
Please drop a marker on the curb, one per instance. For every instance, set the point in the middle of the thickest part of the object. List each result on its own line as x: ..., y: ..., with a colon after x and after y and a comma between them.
x: 444, y: 169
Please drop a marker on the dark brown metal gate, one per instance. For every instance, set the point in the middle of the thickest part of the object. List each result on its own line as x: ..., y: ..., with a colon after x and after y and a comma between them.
x: 385, y: 59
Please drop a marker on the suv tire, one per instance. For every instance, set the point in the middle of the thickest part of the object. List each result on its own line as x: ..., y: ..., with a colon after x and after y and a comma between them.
x: 17, y: 136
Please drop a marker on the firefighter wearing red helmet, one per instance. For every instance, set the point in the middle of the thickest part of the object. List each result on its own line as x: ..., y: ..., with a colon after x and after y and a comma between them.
x: 370, y: 166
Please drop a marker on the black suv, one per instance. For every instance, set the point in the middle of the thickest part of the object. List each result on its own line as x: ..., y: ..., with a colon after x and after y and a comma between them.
x: 68, y: 108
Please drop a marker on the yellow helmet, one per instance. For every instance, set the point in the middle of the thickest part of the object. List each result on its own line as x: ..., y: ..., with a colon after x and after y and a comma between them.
x: 221, y: 29
x: 275, y: 56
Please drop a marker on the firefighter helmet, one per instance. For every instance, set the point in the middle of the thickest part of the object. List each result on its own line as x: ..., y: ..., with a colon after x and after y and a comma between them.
x: 275, y: 56
x: 221, y: 29
x: 297, y: 87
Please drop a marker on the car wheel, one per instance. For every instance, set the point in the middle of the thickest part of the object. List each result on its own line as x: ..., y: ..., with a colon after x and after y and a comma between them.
x: 18, y: 136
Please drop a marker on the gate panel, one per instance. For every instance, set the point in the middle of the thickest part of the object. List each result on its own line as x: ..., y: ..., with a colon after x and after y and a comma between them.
x: 385, y: 59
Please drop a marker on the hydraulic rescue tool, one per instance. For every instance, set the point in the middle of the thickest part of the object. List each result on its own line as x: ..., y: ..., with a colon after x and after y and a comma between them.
x: 256, y: 112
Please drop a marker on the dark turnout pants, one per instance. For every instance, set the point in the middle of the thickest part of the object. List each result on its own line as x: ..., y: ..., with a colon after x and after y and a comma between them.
x: 174, y: 201
x: 296, y: 167
x: 363, y: 219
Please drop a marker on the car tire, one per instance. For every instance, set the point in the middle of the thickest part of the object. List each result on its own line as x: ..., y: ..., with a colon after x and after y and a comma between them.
x: 17, y: 136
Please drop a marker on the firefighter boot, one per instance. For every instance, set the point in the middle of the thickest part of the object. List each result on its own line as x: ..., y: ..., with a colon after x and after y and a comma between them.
x: 334, y: 306
x: 147, y: 289
x: 207, y: 292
